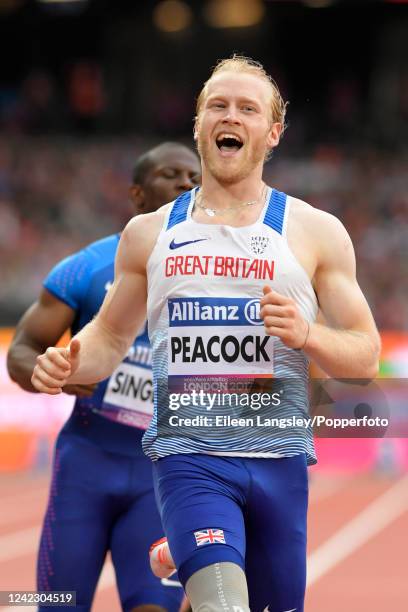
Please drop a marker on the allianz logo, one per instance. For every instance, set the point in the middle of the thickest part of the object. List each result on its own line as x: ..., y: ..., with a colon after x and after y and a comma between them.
x: 140, y: 353
x: 252, y: 312
x: 190, y: 310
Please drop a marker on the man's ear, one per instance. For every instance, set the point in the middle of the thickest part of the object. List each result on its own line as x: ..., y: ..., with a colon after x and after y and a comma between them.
x: 274, y: 135
x: 196, y: 129
x: 137, y: 197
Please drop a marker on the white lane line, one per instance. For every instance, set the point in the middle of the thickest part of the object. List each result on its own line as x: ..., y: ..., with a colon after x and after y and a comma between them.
x: 373, y: 519
x: 19, y: 543
x: 369, y: 522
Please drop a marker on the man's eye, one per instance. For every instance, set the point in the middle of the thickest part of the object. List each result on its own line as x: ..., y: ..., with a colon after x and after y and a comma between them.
x: 248, y: 108
x: 169, y: 174
x: 196, y: 179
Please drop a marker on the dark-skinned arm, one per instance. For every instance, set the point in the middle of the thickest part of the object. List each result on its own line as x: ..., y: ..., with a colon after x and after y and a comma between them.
x: 42, y: 325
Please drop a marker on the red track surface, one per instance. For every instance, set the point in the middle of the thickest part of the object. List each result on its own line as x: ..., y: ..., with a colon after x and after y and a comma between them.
x: 372, y: 577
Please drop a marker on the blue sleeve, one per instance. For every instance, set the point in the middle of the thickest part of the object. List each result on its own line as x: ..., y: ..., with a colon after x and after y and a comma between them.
x: 68, y: 281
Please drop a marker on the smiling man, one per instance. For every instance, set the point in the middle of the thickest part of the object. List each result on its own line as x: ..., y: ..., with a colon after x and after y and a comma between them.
x: 233, y: 274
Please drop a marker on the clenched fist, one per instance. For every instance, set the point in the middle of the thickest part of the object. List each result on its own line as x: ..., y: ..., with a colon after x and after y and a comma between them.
x: 54, y: 367
x: 281, y: 318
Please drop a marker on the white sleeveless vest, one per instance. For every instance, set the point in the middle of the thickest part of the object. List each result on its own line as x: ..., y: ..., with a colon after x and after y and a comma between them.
x: 204, y: 286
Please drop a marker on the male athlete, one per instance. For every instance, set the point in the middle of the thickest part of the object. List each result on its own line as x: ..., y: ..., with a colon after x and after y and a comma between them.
x: 101, y: 494
x: 233, y: 275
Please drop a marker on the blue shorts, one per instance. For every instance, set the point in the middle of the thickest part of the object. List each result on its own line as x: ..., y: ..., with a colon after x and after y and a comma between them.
x: 247, y: 511
x: 101, y: 501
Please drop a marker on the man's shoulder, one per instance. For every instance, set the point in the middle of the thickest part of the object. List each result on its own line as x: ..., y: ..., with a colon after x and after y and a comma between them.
x: 106, y: 242
x: 94, y: 250
x: 323, y: 231
x: 70, y: 278
x: 314, y: 219
x: 141, y: 233
x: 103, y: 248
x: 150, y: 222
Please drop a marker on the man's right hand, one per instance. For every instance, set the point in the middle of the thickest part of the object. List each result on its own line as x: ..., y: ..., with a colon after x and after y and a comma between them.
x: 54, y: 367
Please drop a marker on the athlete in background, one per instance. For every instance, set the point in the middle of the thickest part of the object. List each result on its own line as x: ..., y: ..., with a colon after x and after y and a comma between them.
x: 101, y: 495
x: 233, y: 275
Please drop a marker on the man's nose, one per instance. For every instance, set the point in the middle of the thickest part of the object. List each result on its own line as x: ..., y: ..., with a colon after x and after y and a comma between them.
x: 231, y: 115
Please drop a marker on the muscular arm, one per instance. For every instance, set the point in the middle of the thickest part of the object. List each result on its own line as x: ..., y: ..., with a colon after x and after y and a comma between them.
x: 347, y: 343
x: 42, y: 325
x: 105, y: 340
x: 349, y: 346
x: 99, y: 347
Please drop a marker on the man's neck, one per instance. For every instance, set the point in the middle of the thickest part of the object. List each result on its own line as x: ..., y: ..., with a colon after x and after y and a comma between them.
x: 221, y: 195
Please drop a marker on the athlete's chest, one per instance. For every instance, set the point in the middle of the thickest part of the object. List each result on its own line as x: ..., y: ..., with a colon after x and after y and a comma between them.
x: 211, y: 252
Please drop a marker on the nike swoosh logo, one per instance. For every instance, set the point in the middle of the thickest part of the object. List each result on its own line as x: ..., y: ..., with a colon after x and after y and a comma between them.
x: 177, y: 245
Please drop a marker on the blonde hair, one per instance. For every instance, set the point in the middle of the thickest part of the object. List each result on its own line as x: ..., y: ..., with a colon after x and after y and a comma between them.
x: 241, y: 63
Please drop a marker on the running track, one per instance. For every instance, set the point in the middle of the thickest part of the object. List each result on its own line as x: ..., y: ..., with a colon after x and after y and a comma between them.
x: 358, y: 541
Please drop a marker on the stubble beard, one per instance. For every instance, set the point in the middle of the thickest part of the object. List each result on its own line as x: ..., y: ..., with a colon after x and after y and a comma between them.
x: 229, y: 175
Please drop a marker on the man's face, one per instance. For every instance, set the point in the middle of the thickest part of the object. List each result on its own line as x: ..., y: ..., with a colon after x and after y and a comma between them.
x: 173, y: 171
x: 234, y: 131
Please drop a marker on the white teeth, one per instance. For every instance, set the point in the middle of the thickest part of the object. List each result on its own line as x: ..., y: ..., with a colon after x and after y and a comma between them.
x: 227, y: 135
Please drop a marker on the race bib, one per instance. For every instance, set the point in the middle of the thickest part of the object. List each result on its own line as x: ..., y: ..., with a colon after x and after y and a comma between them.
x: 128, y: 397
x: 218, y: 338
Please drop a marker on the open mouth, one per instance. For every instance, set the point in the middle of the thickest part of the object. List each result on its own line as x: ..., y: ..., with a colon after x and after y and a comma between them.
x: 229, y: 143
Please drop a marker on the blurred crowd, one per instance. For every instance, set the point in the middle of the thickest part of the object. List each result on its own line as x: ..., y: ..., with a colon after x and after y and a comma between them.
x: 56, y: 195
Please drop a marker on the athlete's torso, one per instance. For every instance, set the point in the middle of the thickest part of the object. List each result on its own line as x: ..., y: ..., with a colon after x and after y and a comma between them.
x: 120, y: 409
x: 204, y: 286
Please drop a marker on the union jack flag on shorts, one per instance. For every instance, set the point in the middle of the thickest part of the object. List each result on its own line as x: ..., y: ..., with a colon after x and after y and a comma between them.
x: 209, y: 536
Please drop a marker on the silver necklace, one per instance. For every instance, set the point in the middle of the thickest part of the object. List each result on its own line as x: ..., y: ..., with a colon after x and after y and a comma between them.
x: 212, y: 212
